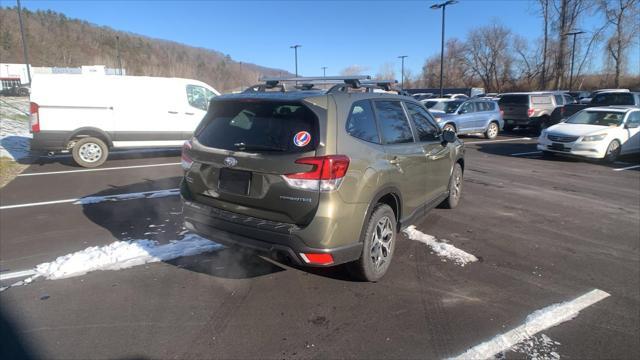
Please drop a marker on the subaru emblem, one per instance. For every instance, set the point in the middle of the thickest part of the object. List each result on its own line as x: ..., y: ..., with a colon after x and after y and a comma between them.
x: 230, y: 162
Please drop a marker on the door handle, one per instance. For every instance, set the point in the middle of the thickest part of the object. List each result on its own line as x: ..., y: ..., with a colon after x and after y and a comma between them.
x: 394, y: 160
x: 172, y: 112
x: 189, y: 113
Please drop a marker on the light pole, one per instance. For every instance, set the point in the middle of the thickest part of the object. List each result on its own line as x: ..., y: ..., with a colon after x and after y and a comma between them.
x: 402, y: 71
x: 118, y: 54
x: 573, y: 52
x: 442, y: 5
x: 24, y: 43
x: 241, y: 79
x: 295, y: 49
x: 324, y: 71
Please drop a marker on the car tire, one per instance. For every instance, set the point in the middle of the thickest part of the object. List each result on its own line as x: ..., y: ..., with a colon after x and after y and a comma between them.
x: 492, y: 130
x: 90, y: 152
x: 449, y: 127
x: 543, y: 123
x: 378, y: 246
x: 508, y: 128
x: 613, y: 152
x: 455, y: 188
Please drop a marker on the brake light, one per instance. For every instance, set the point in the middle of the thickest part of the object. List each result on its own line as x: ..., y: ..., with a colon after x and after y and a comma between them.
x: 326, y: 173
x: 317, y: 259
x: 530, y: 112
x: 501, y: 112
x: 185, y: 160
x: 34, y: 110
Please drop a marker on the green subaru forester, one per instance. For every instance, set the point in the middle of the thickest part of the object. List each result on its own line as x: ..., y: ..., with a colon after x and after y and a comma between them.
x: 318, y: 178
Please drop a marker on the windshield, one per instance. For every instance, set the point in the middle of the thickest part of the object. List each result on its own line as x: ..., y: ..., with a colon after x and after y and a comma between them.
x: 448, y: 107
x: 601, y: 118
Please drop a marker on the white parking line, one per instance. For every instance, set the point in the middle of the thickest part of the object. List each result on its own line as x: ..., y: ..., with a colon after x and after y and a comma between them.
x: 154, y: 194
x: 495, y: 141
x: 17, y: 274
x: 101, y: 169
x: 627, y: 168
x: 538, y: 321
x: 527, y: 153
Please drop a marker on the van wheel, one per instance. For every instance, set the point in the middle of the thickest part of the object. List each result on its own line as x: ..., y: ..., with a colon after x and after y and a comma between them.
x: 378, y: 248
x: 90, y: 152
x: 492, y: 131
x: 455, y: 188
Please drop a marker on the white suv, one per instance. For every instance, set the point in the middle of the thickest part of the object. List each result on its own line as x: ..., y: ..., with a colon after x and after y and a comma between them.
x: 599, y: 132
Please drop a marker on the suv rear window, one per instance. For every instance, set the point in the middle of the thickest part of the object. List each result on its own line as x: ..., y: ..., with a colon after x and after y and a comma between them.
x: 259, y: 127
x: 613, y: 99
x: 541, y: 99
x: 514, y: 99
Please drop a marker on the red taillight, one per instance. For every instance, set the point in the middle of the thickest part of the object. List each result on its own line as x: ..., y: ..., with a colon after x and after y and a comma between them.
x: 562, y: 110
x: 317, y: 259
x: 185, y: 160
x: 325, y: 174
x: 501, y: 112
x: 530, y: 112
x: 324, y: 168
x: 34, y: 110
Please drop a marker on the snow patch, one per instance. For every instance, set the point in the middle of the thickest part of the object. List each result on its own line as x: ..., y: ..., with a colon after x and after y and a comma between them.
x: 130, y: 196
x: 441, y: 249
x: 15, y: 138
x: 119, y: 255
x: 540, y: 347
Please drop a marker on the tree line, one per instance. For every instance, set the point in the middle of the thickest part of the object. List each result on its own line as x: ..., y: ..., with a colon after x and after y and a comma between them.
x: 55, y: 40
x: 498, y: 59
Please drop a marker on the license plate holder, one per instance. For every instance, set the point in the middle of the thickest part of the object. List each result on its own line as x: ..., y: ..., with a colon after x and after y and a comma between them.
x: 234, y: 181
x: 557, y: 146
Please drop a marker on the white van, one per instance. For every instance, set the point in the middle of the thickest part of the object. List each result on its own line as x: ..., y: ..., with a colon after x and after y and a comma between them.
x: 90, y: 114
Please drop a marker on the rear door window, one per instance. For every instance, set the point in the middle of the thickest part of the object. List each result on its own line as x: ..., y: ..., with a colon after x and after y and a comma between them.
x: 393, y: 122
x: 467, y: 108
x: 361, y: 123
x: 259, y: 127
x: 559, y: 99
x: 199, y: 97
x: 425, y: 127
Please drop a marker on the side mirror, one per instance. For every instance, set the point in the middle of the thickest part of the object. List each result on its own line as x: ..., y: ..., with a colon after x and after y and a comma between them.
x: 462, y: 111
x: 449, y: 136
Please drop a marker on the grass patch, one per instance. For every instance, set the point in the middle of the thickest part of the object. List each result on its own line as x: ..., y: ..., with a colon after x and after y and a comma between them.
x: 9, y: 169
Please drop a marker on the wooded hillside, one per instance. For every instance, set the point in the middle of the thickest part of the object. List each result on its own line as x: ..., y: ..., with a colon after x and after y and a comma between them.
x: 55, y: 40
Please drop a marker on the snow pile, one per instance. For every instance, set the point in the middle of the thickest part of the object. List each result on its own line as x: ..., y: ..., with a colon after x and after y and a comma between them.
x: 441, y: 249
x: 15, y: 138
x: 129, y: 196
x: 538, y: 348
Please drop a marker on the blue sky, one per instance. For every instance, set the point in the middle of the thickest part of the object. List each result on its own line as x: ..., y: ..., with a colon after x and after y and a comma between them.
x: 335, y: 34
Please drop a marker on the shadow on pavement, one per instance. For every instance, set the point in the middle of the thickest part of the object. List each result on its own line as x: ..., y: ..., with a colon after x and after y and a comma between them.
x: 66, y: 159
x: 160, y: 219
x: 12, y: 345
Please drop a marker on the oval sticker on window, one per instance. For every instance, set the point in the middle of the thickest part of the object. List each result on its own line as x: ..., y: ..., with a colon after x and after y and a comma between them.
x: 302, y: 139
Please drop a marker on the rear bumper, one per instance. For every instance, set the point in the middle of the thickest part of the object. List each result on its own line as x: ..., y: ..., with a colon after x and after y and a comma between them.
x: 273, y: 239
x: 521, y: 122
x: 49, y: 140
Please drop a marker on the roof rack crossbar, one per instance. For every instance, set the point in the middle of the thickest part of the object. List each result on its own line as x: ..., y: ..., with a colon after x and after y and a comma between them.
x: 316, y: 78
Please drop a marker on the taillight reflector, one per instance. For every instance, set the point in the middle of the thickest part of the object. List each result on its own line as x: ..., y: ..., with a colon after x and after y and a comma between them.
x: 317, y: 259
x: 325, y: 174
x: 530, y: 112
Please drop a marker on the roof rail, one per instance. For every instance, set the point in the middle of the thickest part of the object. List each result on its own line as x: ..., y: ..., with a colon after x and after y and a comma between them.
x: 316, y: 78
x: 307, y: 82
x: 386, y: 85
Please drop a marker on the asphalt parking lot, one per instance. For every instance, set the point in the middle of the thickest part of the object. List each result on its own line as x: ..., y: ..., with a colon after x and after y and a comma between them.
x: 544, y: 231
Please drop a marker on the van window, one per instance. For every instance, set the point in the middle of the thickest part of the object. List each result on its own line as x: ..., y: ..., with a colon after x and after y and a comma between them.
x: 259, y: 127
x: 199, y: 97
x: 361, y: 123
x: 425, y: 127
x: 540, y: 100
x: 393, y: 122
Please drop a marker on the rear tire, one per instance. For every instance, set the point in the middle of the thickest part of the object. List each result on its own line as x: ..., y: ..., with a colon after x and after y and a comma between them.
x: 492, y: 130
x: 508, y: 128
x: 378, y: 246
x: 455, y: 188
x: 90, y: 152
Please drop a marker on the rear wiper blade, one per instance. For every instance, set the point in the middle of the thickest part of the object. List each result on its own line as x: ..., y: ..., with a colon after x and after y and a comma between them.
x: 243, y: 146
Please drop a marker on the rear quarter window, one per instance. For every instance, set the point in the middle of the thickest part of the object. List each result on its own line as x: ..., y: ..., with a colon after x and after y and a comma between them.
x: 259, y: 127
x: 361, y: 123
x: 541, y: 100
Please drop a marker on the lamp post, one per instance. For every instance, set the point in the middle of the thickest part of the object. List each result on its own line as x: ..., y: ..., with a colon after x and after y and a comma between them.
x: 24, y: 43
x: 324, y: 71
x: 573, y: 51
x: 442, y: 5
x: 295, y: 49
x: 402, y: 71
x: 118, y: 54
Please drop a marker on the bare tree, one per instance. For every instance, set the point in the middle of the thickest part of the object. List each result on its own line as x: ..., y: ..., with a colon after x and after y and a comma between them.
x: 623, y: 16
x: 488, y: 55
x: 353, y: 70
x: 386, y: 72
